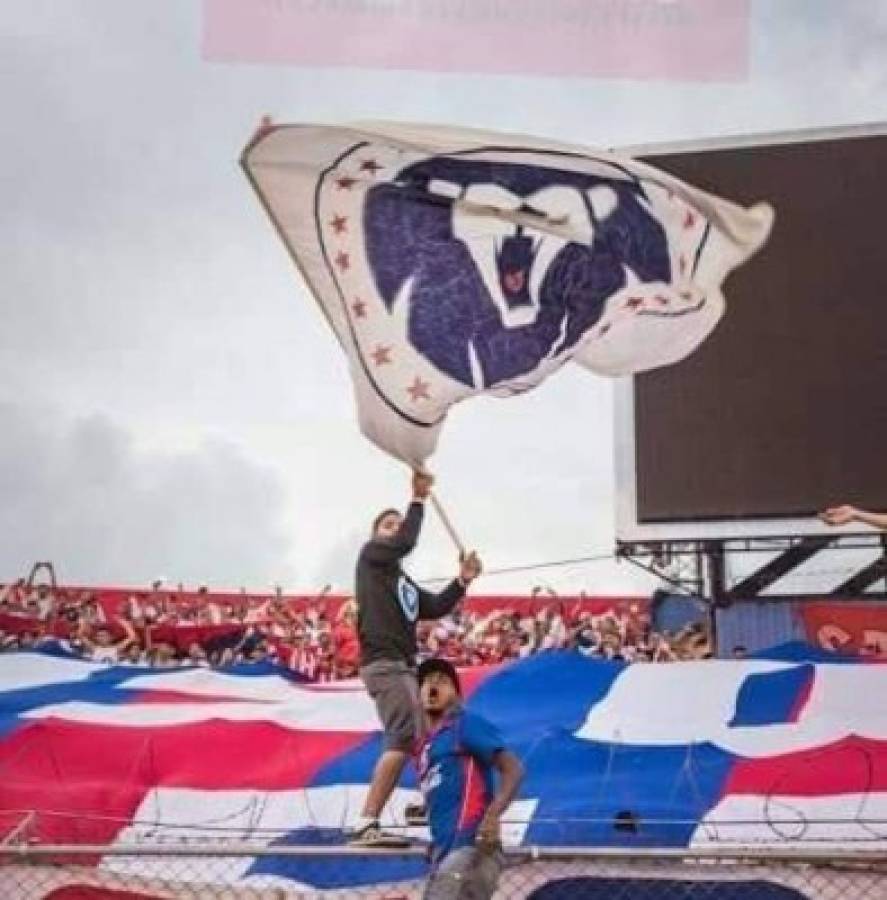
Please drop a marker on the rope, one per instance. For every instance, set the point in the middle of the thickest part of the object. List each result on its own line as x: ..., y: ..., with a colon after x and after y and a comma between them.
x: 508, y: 570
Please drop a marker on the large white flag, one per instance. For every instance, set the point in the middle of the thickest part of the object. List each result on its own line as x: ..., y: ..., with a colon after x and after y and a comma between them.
x: 451, y: 263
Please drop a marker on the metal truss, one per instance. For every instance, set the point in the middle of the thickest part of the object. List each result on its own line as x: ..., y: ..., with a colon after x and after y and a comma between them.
x: 700, y: 566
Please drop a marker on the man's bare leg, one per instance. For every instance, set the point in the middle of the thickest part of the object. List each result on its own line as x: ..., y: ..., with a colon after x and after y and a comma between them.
x: 387, y: 773
x: 367, y: 832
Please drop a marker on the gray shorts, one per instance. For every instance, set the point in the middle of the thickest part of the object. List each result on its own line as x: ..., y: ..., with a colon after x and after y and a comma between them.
x: 393, y: 687
x: 465, y: 874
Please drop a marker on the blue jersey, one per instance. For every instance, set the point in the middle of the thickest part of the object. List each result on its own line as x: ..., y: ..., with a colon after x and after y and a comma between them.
x: 455, y: 764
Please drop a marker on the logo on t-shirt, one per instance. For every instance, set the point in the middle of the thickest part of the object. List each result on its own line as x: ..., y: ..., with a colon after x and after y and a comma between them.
x: 408, y: 595
x: 430, y: 781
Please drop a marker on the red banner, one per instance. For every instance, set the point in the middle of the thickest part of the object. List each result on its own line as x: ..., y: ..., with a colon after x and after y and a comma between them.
x: 847, y: 626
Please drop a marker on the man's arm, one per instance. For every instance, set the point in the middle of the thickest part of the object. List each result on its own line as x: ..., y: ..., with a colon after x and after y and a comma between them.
x: 511, y: 774
x: 844, y: 515
x: 82, y: 634
x: 877, y: 520
x: 433, y: 606
x: 393, y: 549
x: 129, y: 634
x: 481, y: 739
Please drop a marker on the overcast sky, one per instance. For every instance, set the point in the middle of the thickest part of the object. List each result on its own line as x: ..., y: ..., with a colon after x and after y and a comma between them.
x: 172, y: 403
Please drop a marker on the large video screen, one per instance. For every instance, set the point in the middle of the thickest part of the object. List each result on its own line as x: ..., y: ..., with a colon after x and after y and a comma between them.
x: 784, y: 409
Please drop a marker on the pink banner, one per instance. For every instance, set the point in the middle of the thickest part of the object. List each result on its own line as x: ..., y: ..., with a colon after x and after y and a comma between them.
x: 686, y: 40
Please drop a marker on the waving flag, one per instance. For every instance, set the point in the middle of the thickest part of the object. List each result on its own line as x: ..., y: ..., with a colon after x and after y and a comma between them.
x: 764, y: 752
x: 453, y: 263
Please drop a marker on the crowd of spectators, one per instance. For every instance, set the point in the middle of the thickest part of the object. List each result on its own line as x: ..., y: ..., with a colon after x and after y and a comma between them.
x: 622, y: 632
x: 317, y: 636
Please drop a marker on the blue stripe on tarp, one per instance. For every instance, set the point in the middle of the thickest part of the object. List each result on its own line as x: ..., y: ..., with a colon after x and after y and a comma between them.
x: 105, y: 686
x: 595, y: 793
x: 772, y: 698
x: 328, y: 872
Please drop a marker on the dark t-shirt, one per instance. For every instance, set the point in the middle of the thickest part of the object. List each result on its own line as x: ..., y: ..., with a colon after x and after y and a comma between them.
x: 389, y: 602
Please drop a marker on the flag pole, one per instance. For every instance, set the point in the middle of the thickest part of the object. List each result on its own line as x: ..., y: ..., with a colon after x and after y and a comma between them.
x: 445, y: 519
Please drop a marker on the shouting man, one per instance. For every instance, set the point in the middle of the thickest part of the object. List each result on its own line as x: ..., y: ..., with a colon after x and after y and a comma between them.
x: 457, y: 761
x: 389, y: 604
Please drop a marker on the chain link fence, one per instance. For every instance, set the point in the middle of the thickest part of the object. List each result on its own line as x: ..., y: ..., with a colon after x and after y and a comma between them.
x: 244, y: 872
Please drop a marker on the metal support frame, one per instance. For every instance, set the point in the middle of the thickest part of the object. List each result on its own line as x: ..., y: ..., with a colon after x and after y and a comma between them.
x: 706, y: 563
x: 779, y: 566
x: 715, y: 559
x: 866, y: 577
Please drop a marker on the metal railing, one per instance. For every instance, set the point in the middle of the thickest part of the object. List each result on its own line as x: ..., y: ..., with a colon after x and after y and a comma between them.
x: 234, y: 870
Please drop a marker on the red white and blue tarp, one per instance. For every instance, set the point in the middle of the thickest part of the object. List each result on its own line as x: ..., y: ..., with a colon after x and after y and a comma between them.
x: 789, y: 750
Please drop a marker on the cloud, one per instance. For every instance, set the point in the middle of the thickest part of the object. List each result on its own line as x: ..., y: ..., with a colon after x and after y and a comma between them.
x: 82, y: 493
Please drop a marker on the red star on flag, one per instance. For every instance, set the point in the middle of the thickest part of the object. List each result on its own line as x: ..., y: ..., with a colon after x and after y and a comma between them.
x: 359, y: 308
x: 345, y: 183
x: 370, y: 165
x: 381, y: 355
x: 689, y: 219
x: 339, y: 224
x: 418, y: 390
x: 634, y: 302
x: 342, y: 260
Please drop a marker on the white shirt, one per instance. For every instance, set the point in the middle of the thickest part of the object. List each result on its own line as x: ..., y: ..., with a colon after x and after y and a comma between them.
x: 104, y: 654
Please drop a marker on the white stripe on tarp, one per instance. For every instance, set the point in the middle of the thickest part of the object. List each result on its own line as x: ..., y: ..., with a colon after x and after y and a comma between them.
x: 839, y: 821
x: 343, y: 713
x: 694, y: 702
x: 21, y: 671
x: 210, y: 683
